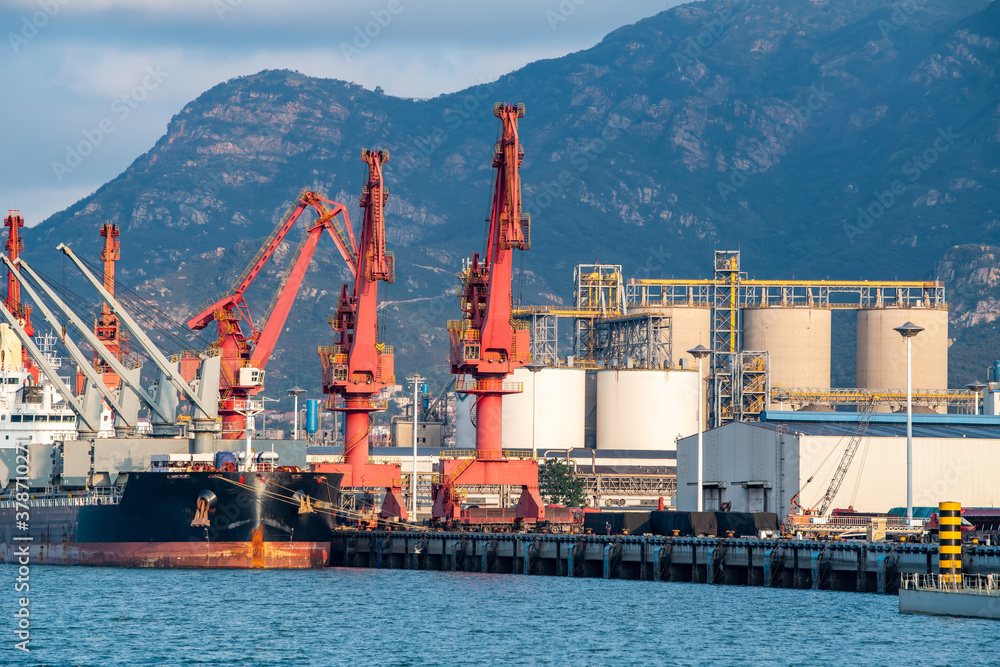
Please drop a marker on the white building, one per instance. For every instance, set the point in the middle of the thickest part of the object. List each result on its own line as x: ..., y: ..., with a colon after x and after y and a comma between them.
x: 760, y: 466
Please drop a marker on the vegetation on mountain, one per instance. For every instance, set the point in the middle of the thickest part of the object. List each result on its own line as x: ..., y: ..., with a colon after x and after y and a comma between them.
x: 843, y: 139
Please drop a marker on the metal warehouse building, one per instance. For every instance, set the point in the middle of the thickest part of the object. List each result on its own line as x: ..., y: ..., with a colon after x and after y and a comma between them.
x: 760, y: 466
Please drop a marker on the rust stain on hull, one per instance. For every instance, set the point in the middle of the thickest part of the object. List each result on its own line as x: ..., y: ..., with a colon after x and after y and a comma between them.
x: 258, y: 552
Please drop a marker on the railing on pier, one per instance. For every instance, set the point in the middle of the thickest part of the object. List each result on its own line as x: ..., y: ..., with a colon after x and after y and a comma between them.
x: 973, y: 584
x: 487, y: 454
x: 836, y: 524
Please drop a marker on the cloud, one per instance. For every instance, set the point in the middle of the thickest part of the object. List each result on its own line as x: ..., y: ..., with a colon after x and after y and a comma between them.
x: 96, y: 6
x: 62, y: 82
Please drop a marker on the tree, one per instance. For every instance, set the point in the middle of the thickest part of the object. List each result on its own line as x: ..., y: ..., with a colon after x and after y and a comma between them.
x: 559, y: 485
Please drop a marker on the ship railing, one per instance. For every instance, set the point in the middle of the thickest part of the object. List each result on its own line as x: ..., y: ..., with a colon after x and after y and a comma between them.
x: 186, y: 354
x: 488, y: 455
x: 972, y: 584
x: 489, y: 385
x: 63, y: 501
x: 325, y: 458
x: 339, y: 458
x: 385, y: 460
x: 806, y: 523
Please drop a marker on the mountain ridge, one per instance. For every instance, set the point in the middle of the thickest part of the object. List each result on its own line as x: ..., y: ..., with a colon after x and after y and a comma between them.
x: 761, y: 125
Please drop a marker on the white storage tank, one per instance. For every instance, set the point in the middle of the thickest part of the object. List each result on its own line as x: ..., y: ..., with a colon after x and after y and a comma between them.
x: 549, y: 413
x: 646, y: 409
x: 882, y: 351
x: 690, y: 327
x: 554, y: 398
x: 797, y: 341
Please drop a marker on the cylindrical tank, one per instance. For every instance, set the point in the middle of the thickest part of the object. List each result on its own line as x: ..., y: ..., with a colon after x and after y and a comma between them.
x: 797, y: 341
x: 646, y: 409
x: 882, y: 351
x: 312, y: 416
x: 549, y: 413
x: 690, y: 327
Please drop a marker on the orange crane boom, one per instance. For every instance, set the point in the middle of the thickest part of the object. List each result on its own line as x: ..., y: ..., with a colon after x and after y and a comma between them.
x: 245, y: 353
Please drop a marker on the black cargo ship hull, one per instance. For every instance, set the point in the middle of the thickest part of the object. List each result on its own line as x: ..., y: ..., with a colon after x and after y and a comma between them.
x: 189, y: 519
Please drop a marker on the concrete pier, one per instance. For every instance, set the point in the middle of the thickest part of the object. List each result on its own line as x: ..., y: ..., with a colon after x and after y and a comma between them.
x: 865, y: 567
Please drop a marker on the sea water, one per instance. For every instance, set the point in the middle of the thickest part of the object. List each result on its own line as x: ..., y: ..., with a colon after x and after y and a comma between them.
x: 344, y: 616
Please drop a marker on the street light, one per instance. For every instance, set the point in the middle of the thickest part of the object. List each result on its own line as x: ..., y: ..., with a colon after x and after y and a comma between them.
x: 296, y: 391
x: 416, y: 379
x: 908, y: 331
x: 975, y: 388
x: 700, y: 353
x: 248, y: 408
x: 263, y: 401
x: 534, y: 367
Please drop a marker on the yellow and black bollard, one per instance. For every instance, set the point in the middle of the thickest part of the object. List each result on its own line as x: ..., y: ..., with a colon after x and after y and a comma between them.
x: 950, y: 543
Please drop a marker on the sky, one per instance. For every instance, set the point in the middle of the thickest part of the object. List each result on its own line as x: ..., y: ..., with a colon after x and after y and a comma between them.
x: 89, y: 85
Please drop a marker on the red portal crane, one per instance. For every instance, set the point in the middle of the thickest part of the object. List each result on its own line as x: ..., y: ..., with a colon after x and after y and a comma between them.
x: 357, y: 367
x: 487, y: 344
x: 245, y: 353
x: 106, y: 325
x: 14, y: 245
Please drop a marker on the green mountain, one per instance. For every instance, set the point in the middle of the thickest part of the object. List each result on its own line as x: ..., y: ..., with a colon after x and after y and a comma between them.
x: 838, y: 138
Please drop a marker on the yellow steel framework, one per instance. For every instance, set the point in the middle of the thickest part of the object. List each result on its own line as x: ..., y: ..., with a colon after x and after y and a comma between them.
x: 846, y: 294
x: 965, y: 400
x: 725, y: 392
x: 739, y: 389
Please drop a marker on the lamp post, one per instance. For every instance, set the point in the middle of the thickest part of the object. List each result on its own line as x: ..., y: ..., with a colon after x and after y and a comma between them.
x: 416, y: 379
x: 296, y: 391
x: 534, y: 367
x: 248, y: 409
x: 975, y: 388
x: 908, y: 331
x: 263, y: 414
x: 700, y: 353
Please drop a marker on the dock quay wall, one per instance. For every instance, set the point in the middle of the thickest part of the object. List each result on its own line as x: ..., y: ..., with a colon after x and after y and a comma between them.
x: 864, y: 567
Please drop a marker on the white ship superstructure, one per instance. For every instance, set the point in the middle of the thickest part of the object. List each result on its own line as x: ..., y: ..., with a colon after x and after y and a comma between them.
x: 32, y: 413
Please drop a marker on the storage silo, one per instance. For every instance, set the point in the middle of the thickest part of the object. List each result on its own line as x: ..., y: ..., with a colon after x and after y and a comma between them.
x: 797, y: 341
x: 882, y: 351
x: 690, y: 327
x: 646, y: 409
x: 549, y: 413
x: 554, y: 398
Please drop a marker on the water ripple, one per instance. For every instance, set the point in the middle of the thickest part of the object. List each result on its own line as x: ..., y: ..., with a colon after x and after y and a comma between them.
x: 104, y: 616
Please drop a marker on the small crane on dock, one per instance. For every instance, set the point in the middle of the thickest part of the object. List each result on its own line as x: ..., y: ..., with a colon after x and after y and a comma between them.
x: 823, y: 506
